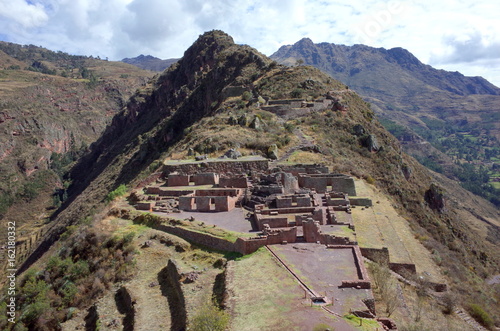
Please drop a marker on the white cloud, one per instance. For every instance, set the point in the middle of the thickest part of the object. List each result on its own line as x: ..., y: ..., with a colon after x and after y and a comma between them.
x: 438, y: 32
x: 20, y: 14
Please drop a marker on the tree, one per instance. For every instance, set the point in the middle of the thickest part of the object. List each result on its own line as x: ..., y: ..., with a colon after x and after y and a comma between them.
x: 386, y: 286
x: 299, y: 62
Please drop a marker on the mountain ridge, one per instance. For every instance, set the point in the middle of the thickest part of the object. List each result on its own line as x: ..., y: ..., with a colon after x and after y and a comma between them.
x: 149, y: 62
x: 190, y: 107
x: 456, y: 114
x: 399, y: 55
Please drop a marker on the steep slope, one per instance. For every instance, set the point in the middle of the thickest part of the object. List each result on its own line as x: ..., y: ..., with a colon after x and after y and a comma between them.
x: 205, y: 102
x: 53, y: 106
x: 148, y: 62
x: 458, y: 115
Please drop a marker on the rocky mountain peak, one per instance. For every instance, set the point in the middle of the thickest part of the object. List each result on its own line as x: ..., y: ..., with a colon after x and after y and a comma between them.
x: 305, y: 42
x: 404, y: 57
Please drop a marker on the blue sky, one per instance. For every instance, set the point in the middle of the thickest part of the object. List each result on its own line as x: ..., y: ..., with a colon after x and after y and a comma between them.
x: 456, y: 35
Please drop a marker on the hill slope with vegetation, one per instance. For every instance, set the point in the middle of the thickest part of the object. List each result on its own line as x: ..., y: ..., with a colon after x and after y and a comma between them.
x: 53, y: 107
x: 457, y: 115
x: 190, y: 106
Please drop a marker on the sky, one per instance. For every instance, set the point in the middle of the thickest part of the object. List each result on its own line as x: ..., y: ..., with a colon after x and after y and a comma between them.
x: 455, y: 35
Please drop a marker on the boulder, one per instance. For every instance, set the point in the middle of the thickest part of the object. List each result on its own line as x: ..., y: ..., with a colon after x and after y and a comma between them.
x: 232, y: 120
x: 373, y: 145
x: 272, y: 152
x: 243, y: 120
x: 370, y: 141
x: 256, y: 123
x: 358, y: 130
x: 232, y: 154
x: 406, y: 171
x: 312, y: 148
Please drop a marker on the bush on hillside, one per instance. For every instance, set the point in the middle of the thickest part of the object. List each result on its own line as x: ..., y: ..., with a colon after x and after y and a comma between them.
x: 118, y: 192
x: 84, y: 268
x: 210, y: 318
x: 478, y: 313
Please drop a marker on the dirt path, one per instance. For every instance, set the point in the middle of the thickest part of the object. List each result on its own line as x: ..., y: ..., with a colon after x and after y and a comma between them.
x: 303, y: 143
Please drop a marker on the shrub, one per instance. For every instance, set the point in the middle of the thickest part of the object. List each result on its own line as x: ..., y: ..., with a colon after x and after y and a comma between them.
x: 449, y: 304
x: 478, y: 313
x: 297, y: 93
x: 247, y: 95
x: 210, y: 318
x: 118, y: 192
x: 31, y: 313
x: 289, y: 127
x: 370, y: 180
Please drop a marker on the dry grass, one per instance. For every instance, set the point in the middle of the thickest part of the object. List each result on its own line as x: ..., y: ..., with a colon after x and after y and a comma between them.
x: 416, y: 312
x: 264, y: 296
x: 306, y: 157
x: 381, y: 226
x: 263, y: 302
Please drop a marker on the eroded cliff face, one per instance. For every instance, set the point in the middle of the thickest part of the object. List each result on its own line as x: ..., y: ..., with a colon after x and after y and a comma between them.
x: 47, y: 121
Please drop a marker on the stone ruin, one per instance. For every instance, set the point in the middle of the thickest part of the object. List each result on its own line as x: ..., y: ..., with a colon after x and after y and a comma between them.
x: 292, y: 108
x: 298, y: 199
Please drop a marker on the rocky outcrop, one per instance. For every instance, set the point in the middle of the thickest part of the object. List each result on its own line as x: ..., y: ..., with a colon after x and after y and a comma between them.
x: 434, y: 197
x: 370, y: 142
x: 272, y: 152
x: 232, y: 154
x: 256, y: 124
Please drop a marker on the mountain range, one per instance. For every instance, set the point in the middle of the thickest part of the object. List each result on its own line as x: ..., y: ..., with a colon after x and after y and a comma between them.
x: 148, y: 62
x: 92, y: 259
x: 448, y: 121
x: 399, y: 85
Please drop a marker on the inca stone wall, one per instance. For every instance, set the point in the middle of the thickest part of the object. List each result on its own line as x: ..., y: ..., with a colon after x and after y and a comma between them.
x: 235, y: 167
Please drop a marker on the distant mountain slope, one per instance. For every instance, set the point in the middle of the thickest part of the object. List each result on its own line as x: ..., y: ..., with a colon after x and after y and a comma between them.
x: 402, y: 87
x: 52, y: 107
x: 148, y: 62
x: 458, y: 115
x: 359, y: 65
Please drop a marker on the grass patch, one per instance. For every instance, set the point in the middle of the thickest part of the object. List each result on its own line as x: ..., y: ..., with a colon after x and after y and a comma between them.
x: 118, y: 192
x: 363, y: 324
x: 478, y: 313
x: 215, y: 231
x: 304, y: 158
x: 262, y: 307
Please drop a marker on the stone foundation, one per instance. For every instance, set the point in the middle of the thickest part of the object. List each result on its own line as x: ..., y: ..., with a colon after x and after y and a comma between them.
x: 239, y: 182
x: 145, y: 205
x: 178, y: 180
x: 208, y: 178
